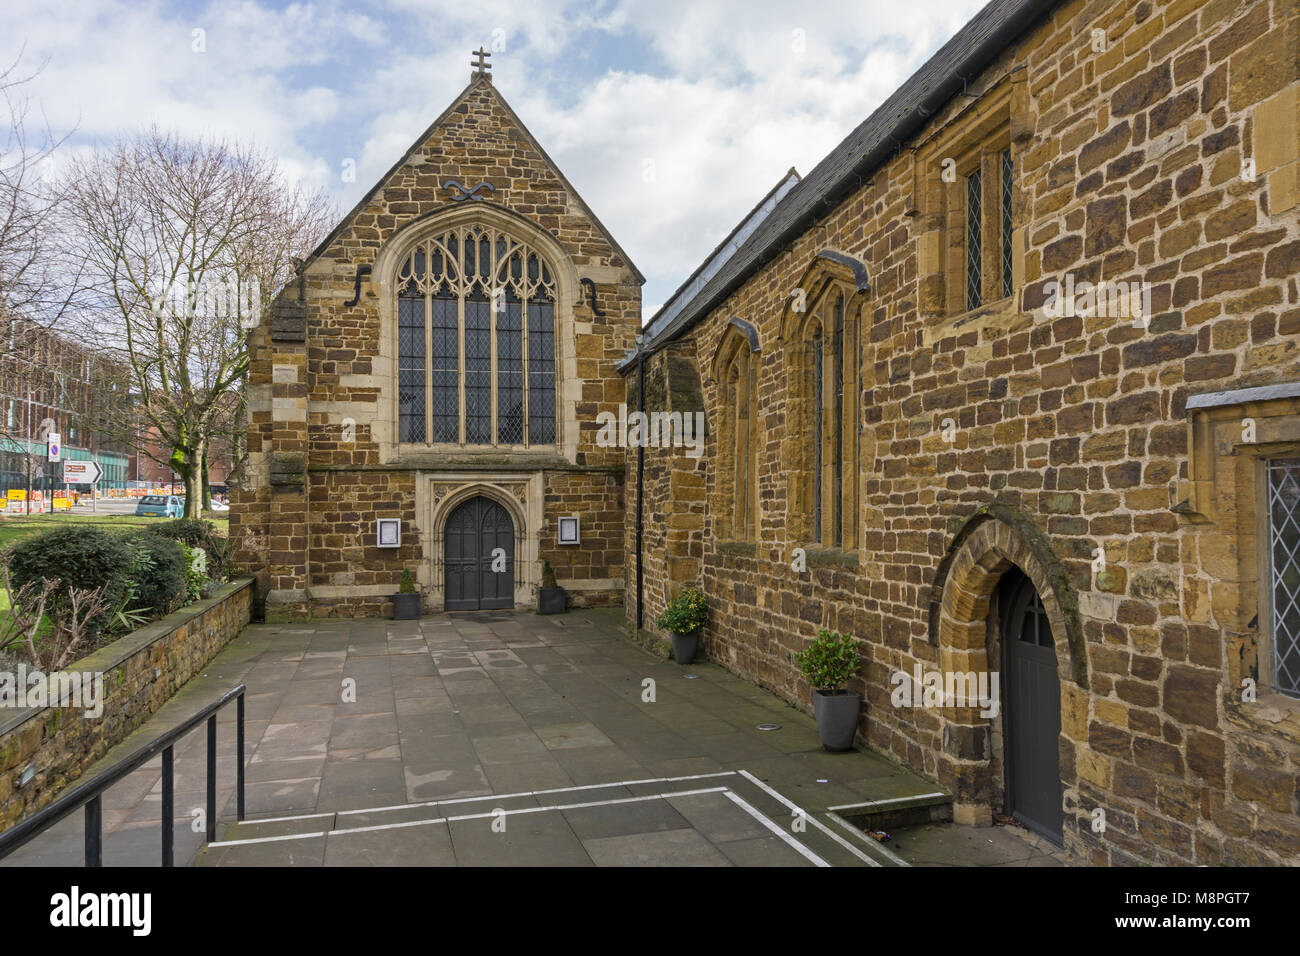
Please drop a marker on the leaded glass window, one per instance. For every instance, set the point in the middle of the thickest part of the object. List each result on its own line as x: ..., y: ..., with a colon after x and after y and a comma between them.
x: 541, y: 373
x: 476, y: 341
x: 446, y: 370
x: 837, y: 435
x: 818, y: 406
x: 410, y: 367
x: 478, y: 370
x: 974, y: 242
x: 740, y: 406
x: 1284, y: 566
x: 510, y: 372
x: 1006, y: 223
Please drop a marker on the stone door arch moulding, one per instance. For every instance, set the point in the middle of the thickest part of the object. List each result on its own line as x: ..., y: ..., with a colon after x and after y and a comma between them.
x: 520, y: 495
x: 994, y: 539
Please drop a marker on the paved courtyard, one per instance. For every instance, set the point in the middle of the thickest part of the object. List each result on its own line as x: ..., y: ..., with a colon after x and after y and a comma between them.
x: 508, y: 739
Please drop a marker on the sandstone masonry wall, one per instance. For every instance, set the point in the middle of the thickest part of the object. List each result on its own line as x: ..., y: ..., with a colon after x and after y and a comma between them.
x: 62, y: 741
x: 1132, y: 162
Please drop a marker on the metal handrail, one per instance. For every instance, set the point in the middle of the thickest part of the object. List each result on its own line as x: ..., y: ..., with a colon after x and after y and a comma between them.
x: 90, y: 793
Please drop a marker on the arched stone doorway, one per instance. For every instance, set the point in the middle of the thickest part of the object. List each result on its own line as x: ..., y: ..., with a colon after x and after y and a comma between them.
x: 999, y: 578
x: 479, y: 542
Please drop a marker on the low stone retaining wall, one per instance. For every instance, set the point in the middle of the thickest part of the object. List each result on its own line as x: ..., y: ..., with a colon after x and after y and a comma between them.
x: 52, y: 746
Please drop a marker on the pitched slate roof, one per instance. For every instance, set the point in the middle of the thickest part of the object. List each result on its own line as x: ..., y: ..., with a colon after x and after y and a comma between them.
x: 865, y: 149
x: 721, y: 253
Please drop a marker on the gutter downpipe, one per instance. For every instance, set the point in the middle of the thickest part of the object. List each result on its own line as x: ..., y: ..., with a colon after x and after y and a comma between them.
x: 640, y: 493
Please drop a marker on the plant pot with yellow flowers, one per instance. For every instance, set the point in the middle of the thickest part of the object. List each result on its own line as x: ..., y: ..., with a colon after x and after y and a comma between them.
x: 684, y: 619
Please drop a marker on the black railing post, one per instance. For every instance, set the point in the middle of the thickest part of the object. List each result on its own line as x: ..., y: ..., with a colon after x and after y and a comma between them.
x: 212, y: 777
x: 94, y: 832
x: 87, y: 796
x: 239, y: 747
x: 168, y: 808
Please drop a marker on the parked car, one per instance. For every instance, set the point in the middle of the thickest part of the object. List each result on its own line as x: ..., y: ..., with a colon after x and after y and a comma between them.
x: 161, y: 506
x: 219, y: 505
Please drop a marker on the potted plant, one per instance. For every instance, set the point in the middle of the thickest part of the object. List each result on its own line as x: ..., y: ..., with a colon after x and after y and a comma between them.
x: 406, y: 602
x: 828, y: 662
x: 684, y: 618
x: 550, y: 596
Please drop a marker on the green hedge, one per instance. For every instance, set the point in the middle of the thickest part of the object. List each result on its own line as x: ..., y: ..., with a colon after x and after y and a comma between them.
x: 145, y: 572
x: 158, y: 573
x: 199, y: 534
x: 79, y: 557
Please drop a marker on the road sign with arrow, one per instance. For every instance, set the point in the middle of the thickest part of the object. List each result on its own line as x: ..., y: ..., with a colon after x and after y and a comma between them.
x: 82, y: 472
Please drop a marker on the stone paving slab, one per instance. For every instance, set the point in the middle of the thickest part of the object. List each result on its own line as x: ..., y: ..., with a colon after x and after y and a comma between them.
x: 954, y: 845
x: 455, y: 716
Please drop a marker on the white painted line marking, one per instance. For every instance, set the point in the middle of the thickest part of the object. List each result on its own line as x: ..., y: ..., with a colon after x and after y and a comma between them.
x: 468, y: 816
x: 588, y: 786
x: 881, y: 803
x: 497, y: 796
x: 795, y: 844
x: 305, y: 816
x: 811, y: 819
x: 583, y: 806
x: 874, y: 844
x: 274, y: 839
x: 391, y: 826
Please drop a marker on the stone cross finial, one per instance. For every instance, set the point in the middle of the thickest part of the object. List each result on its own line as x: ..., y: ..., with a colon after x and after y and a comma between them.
x: 482, y: 67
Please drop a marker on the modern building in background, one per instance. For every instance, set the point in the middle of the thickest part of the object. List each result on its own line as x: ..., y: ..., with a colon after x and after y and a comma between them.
x: 51, y: 384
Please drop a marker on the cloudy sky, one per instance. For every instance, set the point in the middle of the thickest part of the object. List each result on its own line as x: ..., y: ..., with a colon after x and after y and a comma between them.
x: 722, y: 95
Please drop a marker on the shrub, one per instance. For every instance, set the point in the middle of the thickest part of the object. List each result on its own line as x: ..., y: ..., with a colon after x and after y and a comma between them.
x: 199, y: 534
x: 685, y: 613
x: 79, y: 557
x: 158, y: 575
x: 407, y: 584
x: 829, y: 661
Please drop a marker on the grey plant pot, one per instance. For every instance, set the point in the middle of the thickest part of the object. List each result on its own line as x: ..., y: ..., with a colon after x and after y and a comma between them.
x: 684, y: 646
x: 550, y: 601
x: 406, y: 607
x: 837, y: 718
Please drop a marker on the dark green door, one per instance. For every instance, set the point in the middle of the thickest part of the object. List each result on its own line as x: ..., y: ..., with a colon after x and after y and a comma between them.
x: 480, y: 556
x: 1032, y: 709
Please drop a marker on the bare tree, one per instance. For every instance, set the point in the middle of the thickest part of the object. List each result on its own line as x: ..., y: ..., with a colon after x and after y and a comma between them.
x: 35, y: 283
x: 185, y: 244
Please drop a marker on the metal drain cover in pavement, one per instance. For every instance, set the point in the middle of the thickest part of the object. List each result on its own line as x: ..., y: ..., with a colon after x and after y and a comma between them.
x: 769, y: 726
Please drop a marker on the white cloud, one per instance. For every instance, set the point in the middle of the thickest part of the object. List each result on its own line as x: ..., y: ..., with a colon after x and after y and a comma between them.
x: 722, y: 97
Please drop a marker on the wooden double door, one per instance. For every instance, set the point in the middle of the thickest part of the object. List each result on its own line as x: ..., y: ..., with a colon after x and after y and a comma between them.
x: 480, y: 557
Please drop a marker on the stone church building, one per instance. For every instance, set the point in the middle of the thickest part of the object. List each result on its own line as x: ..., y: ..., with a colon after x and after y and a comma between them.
x: 441, y: 361
x: 1008, y: 384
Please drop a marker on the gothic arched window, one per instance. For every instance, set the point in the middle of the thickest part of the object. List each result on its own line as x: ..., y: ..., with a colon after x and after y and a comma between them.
x: 475, y: 341
x: 739, y: 384
x: 825, y: 384
x: 735, y: 368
